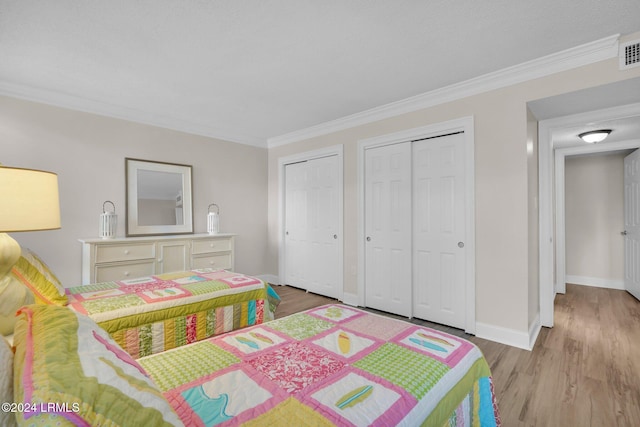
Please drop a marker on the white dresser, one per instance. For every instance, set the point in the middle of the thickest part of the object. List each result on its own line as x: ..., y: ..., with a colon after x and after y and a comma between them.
x: 105, y: 260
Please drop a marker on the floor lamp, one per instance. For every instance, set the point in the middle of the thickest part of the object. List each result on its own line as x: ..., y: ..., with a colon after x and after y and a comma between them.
x: 28, y: 202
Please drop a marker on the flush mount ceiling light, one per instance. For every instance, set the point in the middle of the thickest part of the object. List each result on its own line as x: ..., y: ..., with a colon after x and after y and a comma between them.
x: 595, y: 136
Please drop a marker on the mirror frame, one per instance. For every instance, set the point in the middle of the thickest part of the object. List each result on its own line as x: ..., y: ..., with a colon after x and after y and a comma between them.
x: 133, y: 228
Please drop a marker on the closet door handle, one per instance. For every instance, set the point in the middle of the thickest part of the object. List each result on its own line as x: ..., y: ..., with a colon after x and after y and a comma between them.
x: 368, y: 238
x: 335, y: 236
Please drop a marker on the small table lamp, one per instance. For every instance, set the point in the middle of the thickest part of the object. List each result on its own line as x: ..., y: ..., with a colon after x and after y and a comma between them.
x: 28, y: 202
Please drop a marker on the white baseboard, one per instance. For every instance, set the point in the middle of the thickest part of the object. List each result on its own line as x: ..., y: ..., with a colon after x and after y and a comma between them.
x: 350, y: 299
x: 596, y: 282
x: 502, y: 335
x: 269, y: 278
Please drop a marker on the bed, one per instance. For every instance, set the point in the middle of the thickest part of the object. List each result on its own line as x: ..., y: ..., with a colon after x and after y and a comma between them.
x: 331, y: 365
x: 148, y: 315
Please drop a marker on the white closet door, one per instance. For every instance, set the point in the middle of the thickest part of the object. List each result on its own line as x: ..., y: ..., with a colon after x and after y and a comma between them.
x: 296, y: 228
x: 312, y: 226
x: 325, y: 276
x: 439, y: 230
x: 632, y: 223
x: 388, y: 228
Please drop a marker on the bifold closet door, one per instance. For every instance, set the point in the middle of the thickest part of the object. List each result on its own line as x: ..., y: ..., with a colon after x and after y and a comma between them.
x: 439, y: 261
x: 312, y: 232
x: 388, y: 228
x: 296, y: 235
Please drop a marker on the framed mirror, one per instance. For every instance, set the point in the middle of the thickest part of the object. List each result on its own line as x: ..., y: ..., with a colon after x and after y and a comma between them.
x: 158, y: 198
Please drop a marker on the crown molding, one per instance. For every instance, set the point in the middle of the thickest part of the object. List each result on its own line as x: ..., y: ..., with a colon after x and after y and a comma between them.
x: 585, y: 54
x: 85, y: 105
x: 579, y: 56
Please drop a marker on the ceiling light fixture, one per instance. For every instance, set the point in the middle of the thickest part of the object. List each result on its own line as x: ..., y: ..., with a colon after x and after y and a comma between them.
x: 595, y: 136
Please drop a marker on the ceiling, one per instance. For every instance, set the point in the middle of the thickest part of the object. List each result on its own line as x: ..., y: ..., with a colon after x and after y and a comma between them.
x: 250, y: 70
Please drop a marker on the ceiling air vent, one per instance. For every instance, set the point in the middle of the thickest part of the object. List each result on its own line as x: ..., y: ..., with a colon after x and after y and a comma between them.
x: 629, y: 54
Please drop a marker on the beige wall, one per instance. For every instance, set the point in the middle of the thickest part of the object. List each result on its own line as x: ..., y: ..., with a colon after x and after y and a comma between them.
x: 504, y: 297
x: 88, y: 151
x: 594, y: 217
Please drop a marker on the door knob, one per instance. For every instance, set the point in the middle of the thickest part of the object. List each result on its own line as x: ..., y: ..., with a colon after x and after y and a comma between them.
x: 368, y: 239
x: 624, y: 233
x: 461, y: 244
x: 335, y: 236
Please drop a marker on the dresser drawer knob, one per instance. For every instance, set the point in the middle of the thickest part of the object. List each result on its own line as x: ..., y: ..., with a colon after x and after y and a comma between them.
x: 126, y: 274
x: 126, y: 251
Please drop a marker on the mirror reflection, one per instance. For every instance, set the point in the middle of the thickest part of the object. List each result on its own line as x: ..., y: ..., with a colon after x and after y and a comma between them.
x: 160, y: 198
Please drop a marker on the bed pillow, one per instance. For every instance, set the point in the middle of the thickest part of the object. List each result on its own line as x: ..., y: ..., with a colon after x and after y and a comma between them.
x: 39, y: 278
x: 6, y: 382
x: 67, y: 367
x: 13, y: 295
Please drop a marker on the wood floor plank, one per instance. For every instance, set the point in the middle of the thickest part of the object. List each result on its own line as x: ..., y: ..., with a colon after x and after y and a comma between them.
x: 294, y: 300
x: 585, y: 371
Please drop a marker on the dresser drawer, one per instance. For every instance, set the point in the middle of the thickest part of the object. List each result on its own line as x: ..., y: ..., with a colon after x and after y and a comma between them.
x: 113, y: 253
x: 210, y: 245
x: 115, y: 272
x: 222, y: 261
x: 127, y: 258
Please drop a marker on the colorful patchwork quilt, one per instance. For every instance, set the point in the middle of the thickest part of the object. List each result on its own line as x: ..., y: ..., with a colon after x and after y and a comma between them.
x: 148, y: 315
x: 332, y: 365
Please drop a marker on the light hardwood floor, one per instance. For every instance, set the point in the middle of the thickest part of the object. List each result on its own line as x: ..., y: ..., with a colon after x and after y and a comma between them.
x: 585, y: 371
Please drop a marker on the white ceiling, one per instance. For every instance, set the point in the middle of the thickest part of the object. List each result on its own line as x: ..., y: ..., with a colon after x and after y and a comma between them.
x: 248, y: 71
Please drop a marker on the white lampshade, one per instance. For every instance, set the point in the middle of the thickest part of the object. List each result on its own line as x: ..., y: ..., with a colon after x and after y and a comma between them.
x: 28, y: 200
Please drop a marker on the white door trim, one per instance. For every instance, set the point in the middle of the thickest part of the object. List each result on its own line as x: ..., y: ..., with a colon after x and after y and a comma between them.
x: 549, y: 158
x: 560, y: 156
x: 335, y: 150
x: 463, y: 124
